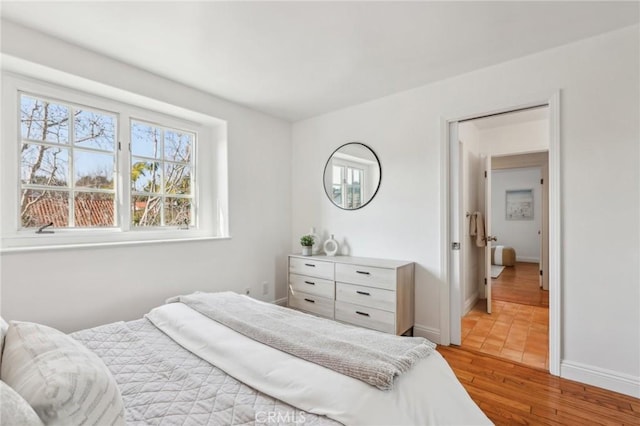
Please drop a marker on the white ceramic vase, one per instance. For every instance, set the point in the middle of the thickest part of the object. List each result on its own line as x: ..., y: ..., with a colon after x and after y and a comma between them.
x: 331, y: 246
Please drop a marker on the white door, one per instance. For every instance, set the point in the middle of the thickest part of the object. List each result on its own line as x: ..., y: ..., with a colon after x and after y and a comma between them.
x: 487, y: 226
x: 455, y: 312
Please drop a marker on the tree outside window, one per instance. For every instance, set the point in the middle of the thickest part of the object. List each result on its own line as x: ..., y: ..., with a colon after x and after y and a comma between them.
x: 161, y: 176
x: 68, y: 164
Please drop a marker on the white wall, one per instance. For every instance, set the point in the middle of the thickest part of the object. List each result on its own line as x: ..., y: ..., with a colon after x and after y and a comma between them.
x: 600, y: 102
x: 530, y: 136
x: 522, y: 235
x: 72, y: 289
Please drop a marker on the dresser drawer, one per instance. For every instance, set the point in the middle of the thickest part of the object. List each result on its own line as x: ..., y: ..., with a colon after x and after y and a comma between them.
x: 366, y: 275
x: 312, y: 268
x: 310, y: 303
x: 375, y: 319
x: 366, y: 296
x: 312, y: 285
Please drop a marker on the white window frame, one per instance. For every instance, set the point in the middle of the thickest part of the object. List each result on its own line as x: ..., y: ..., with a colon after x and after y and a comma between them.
x: 163, y: 160
x: 209, y: 179
x: 352, y: 165
x: 70, y: 146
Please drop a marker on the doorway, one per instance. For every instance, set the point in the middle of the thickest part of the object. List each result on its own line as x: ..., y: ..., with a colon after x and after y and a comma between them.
x: 467, y: 266
x: 518, y: 327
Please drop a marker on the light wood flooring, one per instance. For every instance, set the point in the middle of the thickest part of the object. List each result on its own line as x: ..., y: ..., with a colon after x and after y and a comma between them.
x: 520, y: 284
x: 512, y: 394
x: 518, y: 327
x: 512, y: 331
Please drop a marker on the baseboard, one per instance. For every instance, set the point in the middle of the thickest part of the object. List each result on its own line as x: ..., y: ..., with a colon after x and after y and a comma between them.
x: 600, y: 377
x: 527, y: 259
x: 470, y: 303
x: 281, y: 302
x: 432, y: 334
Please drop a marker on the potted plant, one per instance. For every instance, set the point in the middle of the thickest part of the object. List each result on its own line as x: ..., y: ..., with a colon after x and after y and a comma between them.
x: 307, y: 243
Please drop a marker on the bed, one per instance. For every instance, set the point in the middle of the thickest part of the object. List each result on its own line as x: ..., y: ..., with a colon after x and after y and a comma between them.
x: 179, y: 366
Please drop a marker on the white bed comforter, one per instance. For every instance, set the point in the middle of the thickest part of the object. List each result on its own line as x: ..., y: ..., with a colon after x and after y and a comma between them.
x: 429, y: 394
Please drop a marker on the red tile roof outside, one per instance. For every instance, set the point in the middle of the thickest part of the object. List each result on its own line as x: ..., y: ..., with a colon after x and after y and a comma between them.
x: 88, y: 213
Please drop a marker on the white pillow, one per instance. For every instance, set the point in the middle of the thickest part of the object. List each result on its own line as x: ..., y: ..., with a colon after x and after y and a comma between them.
x: 3, y: 331
x: 64, y: 382
x: 14, y: 410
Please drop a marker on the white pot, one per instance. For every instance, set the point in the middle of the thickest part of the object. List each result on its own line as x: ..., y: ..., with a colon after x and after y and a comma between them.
x: 331, y: 246
x: 306, y: 250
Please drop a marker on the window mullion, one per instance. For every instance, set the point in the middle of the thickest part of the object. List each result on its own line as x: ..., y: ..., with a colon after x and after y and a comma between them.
x: 117, y: 209
x: 193, y: 184
x: 72, y: 198
x: 124, y: 171
x: 162, y: 179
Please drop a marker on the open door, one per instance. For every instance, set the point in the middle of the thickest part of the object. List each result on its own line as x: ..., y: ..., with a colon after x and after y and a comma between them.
x: 455, y: 223
x: 544, y: 258
x: 487, y: 226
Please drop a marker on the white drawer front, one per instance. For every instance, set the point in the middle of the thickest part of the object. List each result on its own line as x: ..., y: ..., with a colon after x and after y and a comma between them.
x: 366, y: 317
x: 366, y: 296
x: 366, y: 275
x: 312, y: 268
x: 310, y: 303
x: 312, y: 285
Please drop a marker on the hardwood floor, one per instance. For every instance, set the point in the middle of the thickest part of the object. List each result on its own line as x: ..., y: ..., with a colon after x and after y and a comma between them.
x: 516, y: 332
x: 520, y: 284
x: 518, y: 328
x: 511, y: 394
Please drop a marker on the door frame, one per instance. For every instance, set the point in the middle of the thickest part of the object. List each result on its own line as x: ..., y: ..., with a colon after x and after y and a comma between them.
x: 450, y: 293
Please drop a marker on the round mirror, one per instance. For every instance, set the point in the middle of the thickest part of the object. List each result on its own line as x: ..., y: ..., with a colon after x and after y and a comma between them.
x: 352, y: 176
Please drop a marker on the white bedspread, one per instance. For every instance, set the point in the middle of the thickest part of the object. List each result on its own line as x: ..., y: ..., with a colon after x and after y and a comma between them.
x: 429, y: 394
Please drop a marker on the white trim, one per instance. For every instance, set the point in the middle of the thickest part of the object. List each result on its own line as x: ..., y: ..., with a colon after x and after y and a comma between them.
x: 444, y: 334
x: 555, y: 231
x: 455, y: 230
x: 602, y: 378
x: 470, y: 303
x: 555, y: 235
x: 433, y: 334
x: 108, y: 244
x: 527, y: 259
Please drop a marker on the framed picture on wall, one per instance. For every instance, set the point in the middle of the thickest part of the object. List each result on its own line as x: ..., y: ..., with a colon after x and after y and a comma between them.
x: 519, y: 204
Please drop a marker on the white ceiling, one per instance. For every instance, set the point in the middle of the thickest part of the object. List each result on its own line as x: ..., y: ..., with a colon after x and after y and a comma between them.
x: 300, y: 59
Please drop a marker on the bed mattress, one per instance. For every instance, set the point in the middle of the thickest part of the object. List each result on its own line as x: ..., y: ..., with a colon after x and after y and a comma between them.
x: 164, y: 384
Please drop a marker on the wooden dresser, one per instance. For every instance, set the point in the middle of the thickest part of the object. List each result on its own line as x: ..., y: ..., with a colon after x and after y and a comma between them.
x: 372, y: 293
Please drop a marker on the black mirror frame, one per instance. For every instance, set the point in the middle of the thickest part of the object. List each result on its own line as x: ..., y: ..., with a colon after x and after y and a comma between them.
x: 324, y: 173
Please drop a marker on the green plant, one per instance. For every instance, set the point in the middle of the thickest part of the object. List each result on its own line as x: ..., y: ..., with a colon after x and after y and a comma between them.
x: 306, y: 240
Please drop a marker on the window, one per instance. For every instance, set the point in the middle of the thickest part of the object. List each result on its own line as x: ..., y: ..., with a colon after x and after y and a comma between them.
x: 68, y: 164
x: 161, y: 171
x: 347, y: 186
x: 99, y: 170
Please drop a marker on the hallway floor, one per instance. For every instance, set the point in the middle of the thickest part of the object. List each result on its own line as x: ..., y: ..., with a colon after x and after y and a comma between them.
x: 520, y: 284
x: 513, y: 331
x: 518, y: 328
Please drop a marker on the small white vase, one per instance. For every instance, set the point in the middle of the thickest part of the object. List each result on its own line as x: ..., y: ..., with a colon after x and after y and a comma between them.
x: 306, y: 250
x: 331, y: 246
